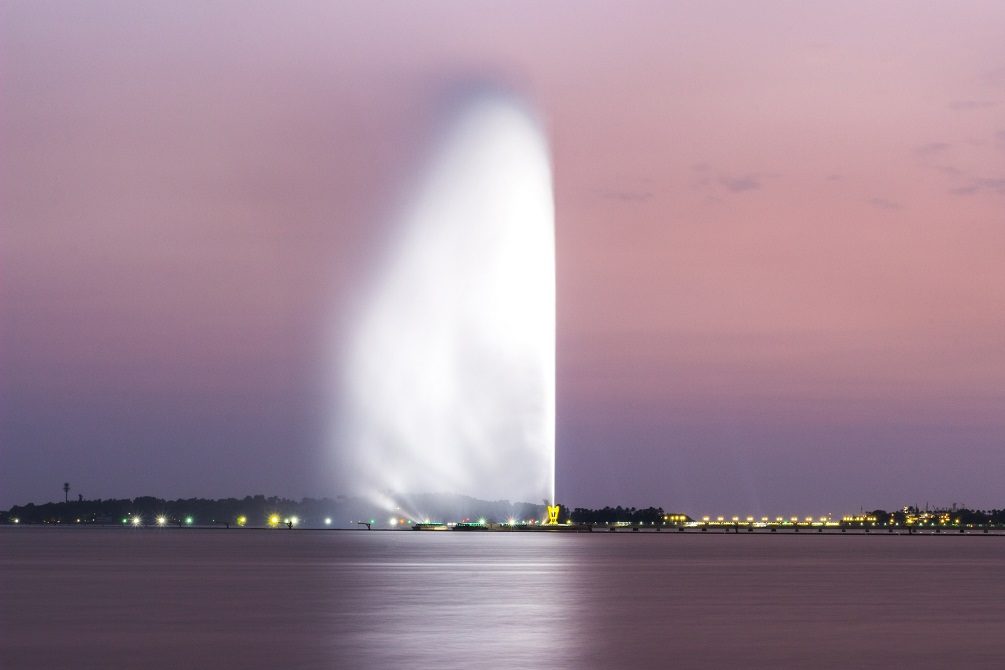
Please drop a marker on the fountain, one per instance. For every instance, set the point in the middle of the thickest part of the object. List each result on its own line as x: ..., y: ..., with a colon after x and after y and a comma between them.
x: 449, y: 375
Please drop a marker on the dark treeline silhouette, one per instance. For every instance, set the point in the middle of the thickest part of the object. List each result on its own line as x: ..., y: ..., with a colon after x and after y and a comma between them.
x: 260, y: 511
x: 345, y: 512
x: 981, y: 517
x: 256, y: 509
x: 961, y: 516
x: 649, y: 516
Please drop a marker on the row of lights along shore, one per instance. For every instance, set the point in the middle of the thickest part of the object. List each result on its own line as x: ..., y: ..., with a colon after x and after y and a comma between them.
x: 274, y: 520
x: 917, y: 519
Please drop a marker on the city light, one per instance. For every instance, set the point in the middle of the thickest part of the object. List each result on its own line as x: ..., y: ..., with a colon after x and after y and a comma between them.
x: 923, y: 520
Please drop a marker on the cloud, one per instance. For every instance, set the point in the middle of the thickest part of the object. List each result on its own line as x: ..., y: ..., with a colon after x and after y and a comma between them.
x: 950, y: 170
x: 966, y: 105
x: 624, y: 195
x: 995, y: 77
x: 717, y: 183
x: 981, y: 185
x: 740, y: 184
x: 883, y: 203
x: 931, y: 148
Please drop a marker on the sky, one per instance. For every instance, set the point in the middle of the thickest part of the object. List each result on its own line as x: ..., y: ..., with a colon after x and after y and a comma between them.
x: 780, y: 233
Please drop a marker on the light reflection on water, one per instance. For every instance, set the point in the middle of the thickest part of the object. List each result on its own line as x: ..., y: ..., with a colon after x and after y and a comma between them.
x: 175, y: 598
x: 171, y: 598
x: 451, y: 600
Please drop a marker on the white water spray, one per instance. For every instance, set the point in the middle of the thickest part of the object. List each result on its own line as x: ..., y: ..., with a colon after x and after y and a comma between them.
x: 450, y: 373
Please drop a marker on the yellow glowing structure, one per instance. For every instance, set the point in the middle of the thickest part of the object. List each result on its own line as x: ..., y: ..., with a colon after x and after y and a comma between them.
x: 552, y: 515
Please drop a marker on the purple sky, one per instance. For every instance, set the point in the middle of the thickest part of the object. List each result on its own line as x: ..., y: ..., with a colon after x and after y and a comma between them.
x: 780, y: 230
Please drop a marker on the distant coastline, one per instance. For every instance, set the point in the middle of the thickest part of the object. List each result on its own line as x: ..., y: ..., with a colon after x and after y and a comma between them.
x: 259, y: 511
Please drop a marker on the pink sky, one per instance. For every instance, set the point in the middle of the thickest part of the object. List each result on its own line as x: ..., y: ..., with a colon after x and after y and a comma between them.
x: 780, y: 229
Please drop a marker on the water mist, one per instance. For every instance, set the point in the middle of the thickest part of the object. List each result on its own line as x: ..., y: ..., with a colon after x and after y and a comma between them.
x: 449, y: 373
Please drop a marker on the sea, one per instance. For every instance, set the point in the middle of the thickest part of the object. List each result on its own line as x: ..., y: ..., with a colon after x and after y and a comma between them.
x: 242, y: 598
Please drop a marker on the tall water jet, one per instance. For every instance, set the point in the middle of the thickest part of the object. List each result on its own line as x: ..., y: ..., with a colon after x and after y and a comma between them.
x: 449, y: 375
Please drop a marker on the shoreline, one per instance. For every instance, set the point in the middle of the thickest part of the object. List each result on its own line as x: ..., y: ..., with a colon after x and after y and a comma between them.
x: 603, y: 530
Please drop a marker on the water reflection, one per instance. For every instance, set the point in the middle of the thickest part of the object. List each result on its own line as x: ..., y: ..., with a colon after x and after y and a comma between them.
x: 449, y: 600
x: 170, y: 598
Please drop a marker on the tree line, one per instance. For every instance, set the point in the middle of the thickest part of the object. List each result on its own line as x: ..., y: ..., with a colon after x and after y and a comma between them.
x: 650, y: 516
x: 148, y: 509
x: 259, y: 510
x: 961, y: 516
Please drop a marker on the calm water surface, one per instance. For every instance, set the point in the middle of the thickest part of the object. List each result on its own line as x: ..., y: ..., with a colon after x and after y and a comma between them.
x: 175, y: 598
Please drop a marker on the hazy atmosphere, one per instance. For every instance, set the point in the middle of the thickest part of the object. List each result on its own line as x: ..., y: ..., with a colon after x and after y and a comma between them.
x: 779, y: 233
